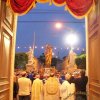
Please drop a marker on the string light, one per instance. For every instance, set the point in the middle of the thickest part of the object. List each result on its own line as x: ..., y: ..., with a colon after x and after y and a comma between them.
x: 55, y: 48
x: 35, y: 47
x: 30, y: 47
x: 83, y: 49
x: 42, y: 47
x: 18, y: 47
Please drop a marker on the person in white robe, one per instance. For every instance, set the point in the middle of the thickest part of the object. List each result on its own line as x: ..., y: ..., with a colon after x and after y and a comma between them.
x: 67, y: 89
x: 37, y: 89
x: 52, y: 88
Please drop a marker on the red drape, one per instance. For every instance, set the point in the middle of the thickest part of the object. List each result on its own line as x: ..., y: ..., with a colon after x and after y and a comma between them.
x: 5, y: 0
x: 79, y: 7
x: 21, y: 6
x: 76, y: 7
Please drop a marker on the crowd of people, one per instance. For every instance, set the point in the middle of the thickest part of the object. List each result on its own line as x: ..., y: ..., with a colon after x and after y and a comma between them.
x: 55, y: 86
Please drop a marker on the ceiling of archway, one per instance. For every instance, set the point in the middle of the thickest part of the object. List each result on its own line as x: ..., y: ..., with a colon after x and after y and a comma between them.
x: 78, y: 8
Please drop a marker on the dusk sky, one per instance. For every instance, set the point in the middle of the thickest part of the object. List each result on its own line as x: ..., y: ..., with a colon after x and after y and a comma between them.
x: 42, y: 20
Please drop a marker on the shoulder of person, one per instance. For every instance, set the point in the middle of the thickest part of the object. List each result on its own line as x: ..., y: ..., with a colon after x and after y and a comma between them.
x: 65, y: 82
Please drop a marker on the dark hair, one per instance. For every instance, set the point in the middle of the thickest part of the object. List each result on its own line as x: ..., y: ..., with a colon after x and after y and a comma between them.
x: 23, y: 75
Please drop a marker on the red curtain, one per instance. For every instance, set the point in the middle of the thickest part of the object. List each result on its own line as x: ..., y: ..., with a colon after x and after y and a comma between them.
x: 79, y: 7
x: 5, y: 0
x: 21, y: 6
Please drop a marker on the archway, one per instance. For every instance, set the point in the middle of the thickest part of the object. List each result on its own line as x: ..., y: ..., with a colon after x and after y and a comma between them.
x: 8, y: 34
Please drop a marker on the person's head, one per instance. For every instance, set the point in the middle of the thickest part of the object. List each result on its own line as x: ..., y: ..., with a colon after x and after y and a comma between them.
x: 82, y: 73
x: 68, y: 76
x: 37, y: 75
x: 23, y: 74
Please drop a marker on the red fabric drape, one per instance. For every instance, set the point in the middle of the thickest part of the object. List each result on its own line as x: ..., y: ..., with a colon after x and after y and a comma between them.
x: 79, y: 7
x: 5, y: 0
x: 21, y: 6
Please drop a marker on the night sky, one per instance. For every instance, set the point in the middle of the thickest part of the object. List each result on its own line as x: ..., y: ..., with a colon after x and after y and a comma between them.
x: 41, y: 20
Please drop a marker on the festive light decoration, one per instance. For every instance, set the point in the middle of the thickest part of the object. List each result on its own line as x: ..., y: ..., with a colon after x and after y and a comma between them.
x: 30, y: 47
x: 55, y: 48
x: 67, y: 48
x: 35, y: 47
x: 18, y: 47
x: 83, y: 49
x: 42, y: 47
x: 78, y: 8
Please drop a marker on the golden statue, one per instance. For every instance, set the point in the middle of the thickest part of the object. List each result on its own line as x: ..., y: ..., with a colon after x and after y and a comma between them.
x: 48, y: 55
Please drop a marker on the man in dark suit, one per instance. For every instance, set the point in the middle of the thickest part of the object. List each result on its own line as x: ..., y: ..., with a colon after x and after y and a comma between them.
x: 80, y: 85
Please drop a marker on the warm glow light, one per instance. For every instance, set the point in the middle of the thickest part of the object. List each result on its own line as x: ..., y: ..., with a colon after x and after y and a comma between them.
x: 58, y: 25
x: 71, y: 39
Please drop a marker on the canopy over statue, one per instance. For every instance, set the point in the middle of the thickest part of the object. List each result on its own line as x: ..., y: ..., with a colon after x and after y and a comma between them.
x: 48, y: 55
